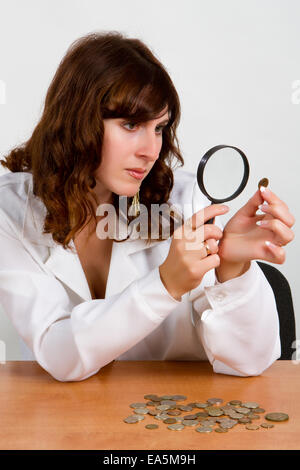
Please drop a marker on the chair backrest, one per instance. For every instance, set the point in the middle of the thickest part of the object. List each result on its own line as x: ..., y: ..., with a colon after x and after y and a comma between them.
x: 284, y: 303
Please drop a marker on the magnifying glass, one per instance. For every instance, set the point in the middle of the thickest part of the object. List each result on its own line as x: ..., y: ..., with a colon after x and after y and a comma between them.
x: 222, y: 174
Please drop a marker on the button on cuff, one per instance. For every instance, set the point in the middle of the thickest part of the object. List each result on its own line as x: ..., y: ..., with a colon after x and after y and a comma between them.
x: 234, y: 290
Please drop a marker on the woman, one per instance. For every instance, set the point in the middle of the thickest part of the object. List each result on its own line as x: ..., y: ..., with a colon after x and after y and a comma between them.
x: 79, y: 300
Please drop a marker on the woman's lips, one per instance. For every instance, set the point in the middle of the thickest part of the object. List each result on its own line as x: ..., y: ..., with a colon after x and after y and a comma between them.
x: 136, y: 174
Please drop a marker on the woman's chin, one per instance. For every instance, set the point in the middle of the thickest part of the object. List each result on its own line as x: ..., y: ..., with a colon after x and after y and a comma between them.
x: 127, y: 191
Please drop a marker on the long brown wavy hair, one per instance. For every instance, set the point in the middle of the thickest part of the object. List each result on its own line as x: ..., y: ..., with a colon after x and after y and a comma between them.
x: 102, y: 75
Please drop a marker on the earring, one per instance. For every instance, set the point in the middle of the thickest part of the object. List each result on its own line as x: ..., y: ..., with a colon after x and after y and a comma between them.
x: 134, y: 209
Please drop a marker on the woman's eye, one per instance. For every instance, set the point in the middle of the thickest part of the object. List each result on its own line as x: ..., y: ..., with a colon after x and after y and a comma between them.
x: 129, y: 124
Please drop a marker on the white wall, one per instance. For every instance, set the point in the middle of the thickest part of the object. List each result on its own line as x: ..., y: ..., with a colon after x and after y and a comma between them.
x: 235, y: 64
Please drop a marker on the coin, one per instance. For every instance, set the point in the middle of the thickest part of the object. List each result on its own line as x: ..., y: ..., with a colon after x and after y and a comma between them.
x: 228, y: 424
x: 151, y: 426
x: 263, y: 182
x: 179, y: 397
x: 179, y: 419
x: 221, y: 430
x: 252, y: 427
x: 267, y: 425
x: 259, y: 410
x: 139, y: 417
x: 131, y: 419
x: 221, y: 420
x: 185, y: 408
x: 190, y: 417
x: 208, y: 422
x: 244, y: 411
x: 251, y: 404
x: 150, y: 397
x: 215, y: 401
x: 210, y: 407
x: 137, y: 405
x: 176, y: 427
x: 234, y: 414
x: 253, y: 416
x: 201, y: 414
x: 215, y: 412
x: 161, y: 416
x: 203, y: 429
x: 163, y: 407
x: 168, y: 402
x: 141, y: 411
x: 173, y: 412
x: 227, y: 408
x: 190, y: 422
x: 235, y: 402
x: 245, y: 420
x: 277, y: 416
x: 170, y: 421
x: 201, y: 405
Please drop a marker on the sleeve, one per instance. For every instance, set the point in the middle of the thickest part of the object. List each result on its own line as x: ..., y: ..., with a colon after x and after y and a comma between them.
x: 74, y: 343
x: 237, y: 320
x: 237, y: 323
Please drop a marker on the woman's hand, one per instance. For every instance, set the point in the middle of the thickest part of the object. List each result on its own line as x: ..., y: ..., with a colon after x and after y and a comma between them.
x: 187, y: 261
x: 244, y: 240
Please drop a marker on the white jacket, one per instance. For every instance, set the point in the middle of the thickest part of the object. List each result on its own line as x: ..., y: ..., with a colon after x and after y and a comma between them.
x: 44, y: 291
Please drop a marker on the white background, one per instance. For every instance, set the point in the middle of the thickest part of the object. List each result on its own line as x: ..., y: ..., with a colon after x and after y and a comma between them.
x: 234, y: 63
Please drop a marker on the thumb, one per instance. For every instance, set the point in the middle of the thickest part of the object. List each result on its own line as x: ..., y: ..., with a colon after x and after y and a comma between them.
x: 250, y: 208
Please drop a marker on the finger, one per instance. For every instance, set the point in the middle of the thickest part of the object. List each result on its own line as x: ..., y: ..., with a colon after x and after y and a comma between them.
x: 279, y: 211
x: 283, y: 234
x: 277, y: 253
x: 269, y: 196
x: 208, y: 263
x: 213, y: 246
x: 206, y: 248
x: 250, y: 208
x: 203, y: 215
x: 202, y: 233
x: 195, y: 239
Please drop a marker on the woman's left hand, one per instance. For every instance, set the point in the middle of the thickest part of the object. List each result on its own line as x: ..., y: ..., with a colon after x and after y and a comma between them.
x: 243, y: 240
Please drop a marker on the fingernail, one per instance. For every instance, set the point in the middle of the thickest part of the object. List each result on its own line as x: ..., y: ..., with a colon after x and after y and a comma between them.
x: 261, y: 222
x: 271, y: 245
x: 262, y: 206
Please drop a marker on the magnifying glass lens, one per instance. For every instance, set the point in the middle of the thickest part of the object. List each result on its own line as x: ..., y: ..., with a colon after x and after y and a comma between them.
x: 223, y: 173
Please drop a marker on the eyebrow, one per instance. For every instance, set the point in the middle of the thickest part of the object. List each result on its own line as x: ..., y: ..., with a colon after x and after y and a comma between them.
x: 164, y: 122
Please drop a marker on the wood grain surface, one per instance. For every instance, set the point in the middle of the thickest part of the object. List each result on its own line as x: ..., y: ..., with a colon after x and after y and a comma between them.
x: 39, y: 412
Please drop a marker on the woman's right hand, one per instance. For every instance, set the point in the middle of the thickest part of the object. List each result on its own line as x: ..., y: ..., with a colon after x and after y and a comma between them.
x: 187, y: 260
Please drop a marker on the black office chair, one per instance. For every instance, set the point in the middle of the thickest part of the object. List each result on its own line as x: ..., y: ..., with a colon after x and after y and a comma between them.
x: 284, y: 303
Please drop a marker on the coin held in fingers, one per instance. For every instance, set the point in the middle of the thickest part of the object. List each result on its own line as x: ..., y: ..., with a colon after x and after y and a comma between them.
x: 263, y: 182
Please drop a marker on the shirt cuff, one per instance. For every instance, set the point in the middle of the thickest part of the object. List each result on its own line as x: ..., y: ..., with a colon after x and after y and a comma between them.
x: 234, y: 290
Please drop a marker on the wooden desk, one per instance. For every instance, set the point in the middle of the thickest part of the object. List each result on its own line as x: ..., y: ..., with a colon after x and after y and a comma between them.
x: 38, y: 412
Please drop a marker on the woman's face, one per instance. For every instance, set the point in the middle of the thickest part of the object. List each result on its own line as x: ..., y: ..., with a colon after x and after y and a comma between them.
x: 128, y: 146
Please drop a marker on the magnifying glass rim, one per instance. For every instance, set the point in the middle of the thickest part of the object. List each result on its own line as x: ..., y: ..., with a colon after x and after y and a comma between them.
x: 201, y: 167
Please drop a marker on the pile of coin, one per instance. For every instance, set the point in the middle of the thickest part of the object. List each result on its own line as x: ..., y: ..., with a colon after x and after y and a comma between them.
x: 214, y: 415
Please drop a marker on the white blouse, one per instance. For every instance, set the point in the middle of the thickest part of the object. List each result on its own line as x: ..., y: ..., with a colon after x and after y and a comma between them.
x: 44, y: 291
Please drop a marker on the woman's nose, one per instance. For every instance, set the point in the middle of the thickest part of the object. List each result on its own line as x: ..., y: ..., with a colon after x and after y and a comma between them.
x: 149, y: 146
